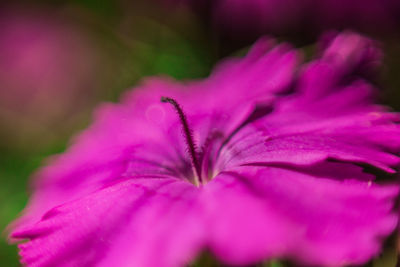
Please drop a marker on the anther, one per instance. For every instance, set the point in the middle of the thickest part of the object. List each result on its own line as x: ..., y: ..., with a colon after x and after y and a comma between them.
x: 188, y: 137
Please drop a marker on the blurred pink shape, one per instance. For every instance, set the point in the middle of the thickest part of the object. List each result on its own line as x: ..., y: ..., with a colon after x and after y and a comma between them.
x: 47, y: 68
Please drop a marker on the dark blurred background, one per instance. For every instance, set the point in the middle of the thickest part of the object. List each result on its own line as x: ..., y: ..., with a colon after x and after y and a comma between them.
x: 59, y: 59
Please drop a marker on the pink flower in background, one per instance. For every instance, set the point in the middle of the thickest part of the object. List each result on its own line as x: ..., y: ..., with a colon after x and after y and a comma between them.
x: 264, y: 159
x: 47, y: 69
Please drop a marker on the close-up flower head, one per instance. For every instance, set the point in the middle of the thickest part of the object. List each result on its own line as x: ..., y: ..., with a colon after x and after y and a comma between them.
x: 268, y: 158
x: 198, y: 133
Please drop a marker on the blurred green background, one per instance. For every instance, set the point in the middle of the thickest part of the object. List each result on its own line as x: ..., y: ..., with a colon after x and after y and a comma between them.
x: 65, y: 57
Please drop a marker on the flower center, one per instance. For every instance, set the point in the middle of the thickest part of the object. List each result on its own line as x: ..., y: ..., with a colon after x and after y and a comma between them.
x: 188, y: 139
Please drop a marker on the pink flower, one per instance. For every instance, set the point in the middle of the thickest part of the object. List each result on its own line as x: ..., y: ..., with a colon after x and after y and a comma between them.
x: 264, y: 159
x: 46, y: 72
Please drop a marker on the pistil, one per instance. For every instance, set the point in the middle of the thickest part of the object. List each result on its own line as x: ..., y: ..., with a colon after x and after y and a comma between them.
x: 188, y: 138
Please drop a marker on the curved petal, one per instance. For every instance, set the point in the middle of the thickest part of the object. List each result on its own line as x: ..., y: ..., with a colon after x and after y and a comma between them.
x: 254, y: 146
x: 323, y: 216
x: 136, y: 222
x: 350, y: 51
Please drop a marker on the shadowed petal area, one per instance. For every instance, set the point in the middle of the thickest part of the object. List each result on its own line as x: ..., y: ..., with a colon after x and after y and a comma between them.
x: 306, y: 215
x: 301, y: 149
x: 303, y: 132
x: 131, y: 223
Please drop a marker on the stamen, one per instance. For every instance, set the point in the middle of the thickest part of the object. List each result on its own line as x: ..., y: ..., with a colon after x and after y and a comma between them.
x: 188, y: 137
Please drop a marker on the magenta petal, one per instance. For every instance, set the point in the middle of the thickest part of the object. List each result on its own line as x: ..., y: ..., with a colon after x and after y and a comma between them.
x: 256, y: 147
x: 242, y: 228
x: 234, y: 215
x: 307, y: 217
x: 121, y: 225
x: 350, y: 51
